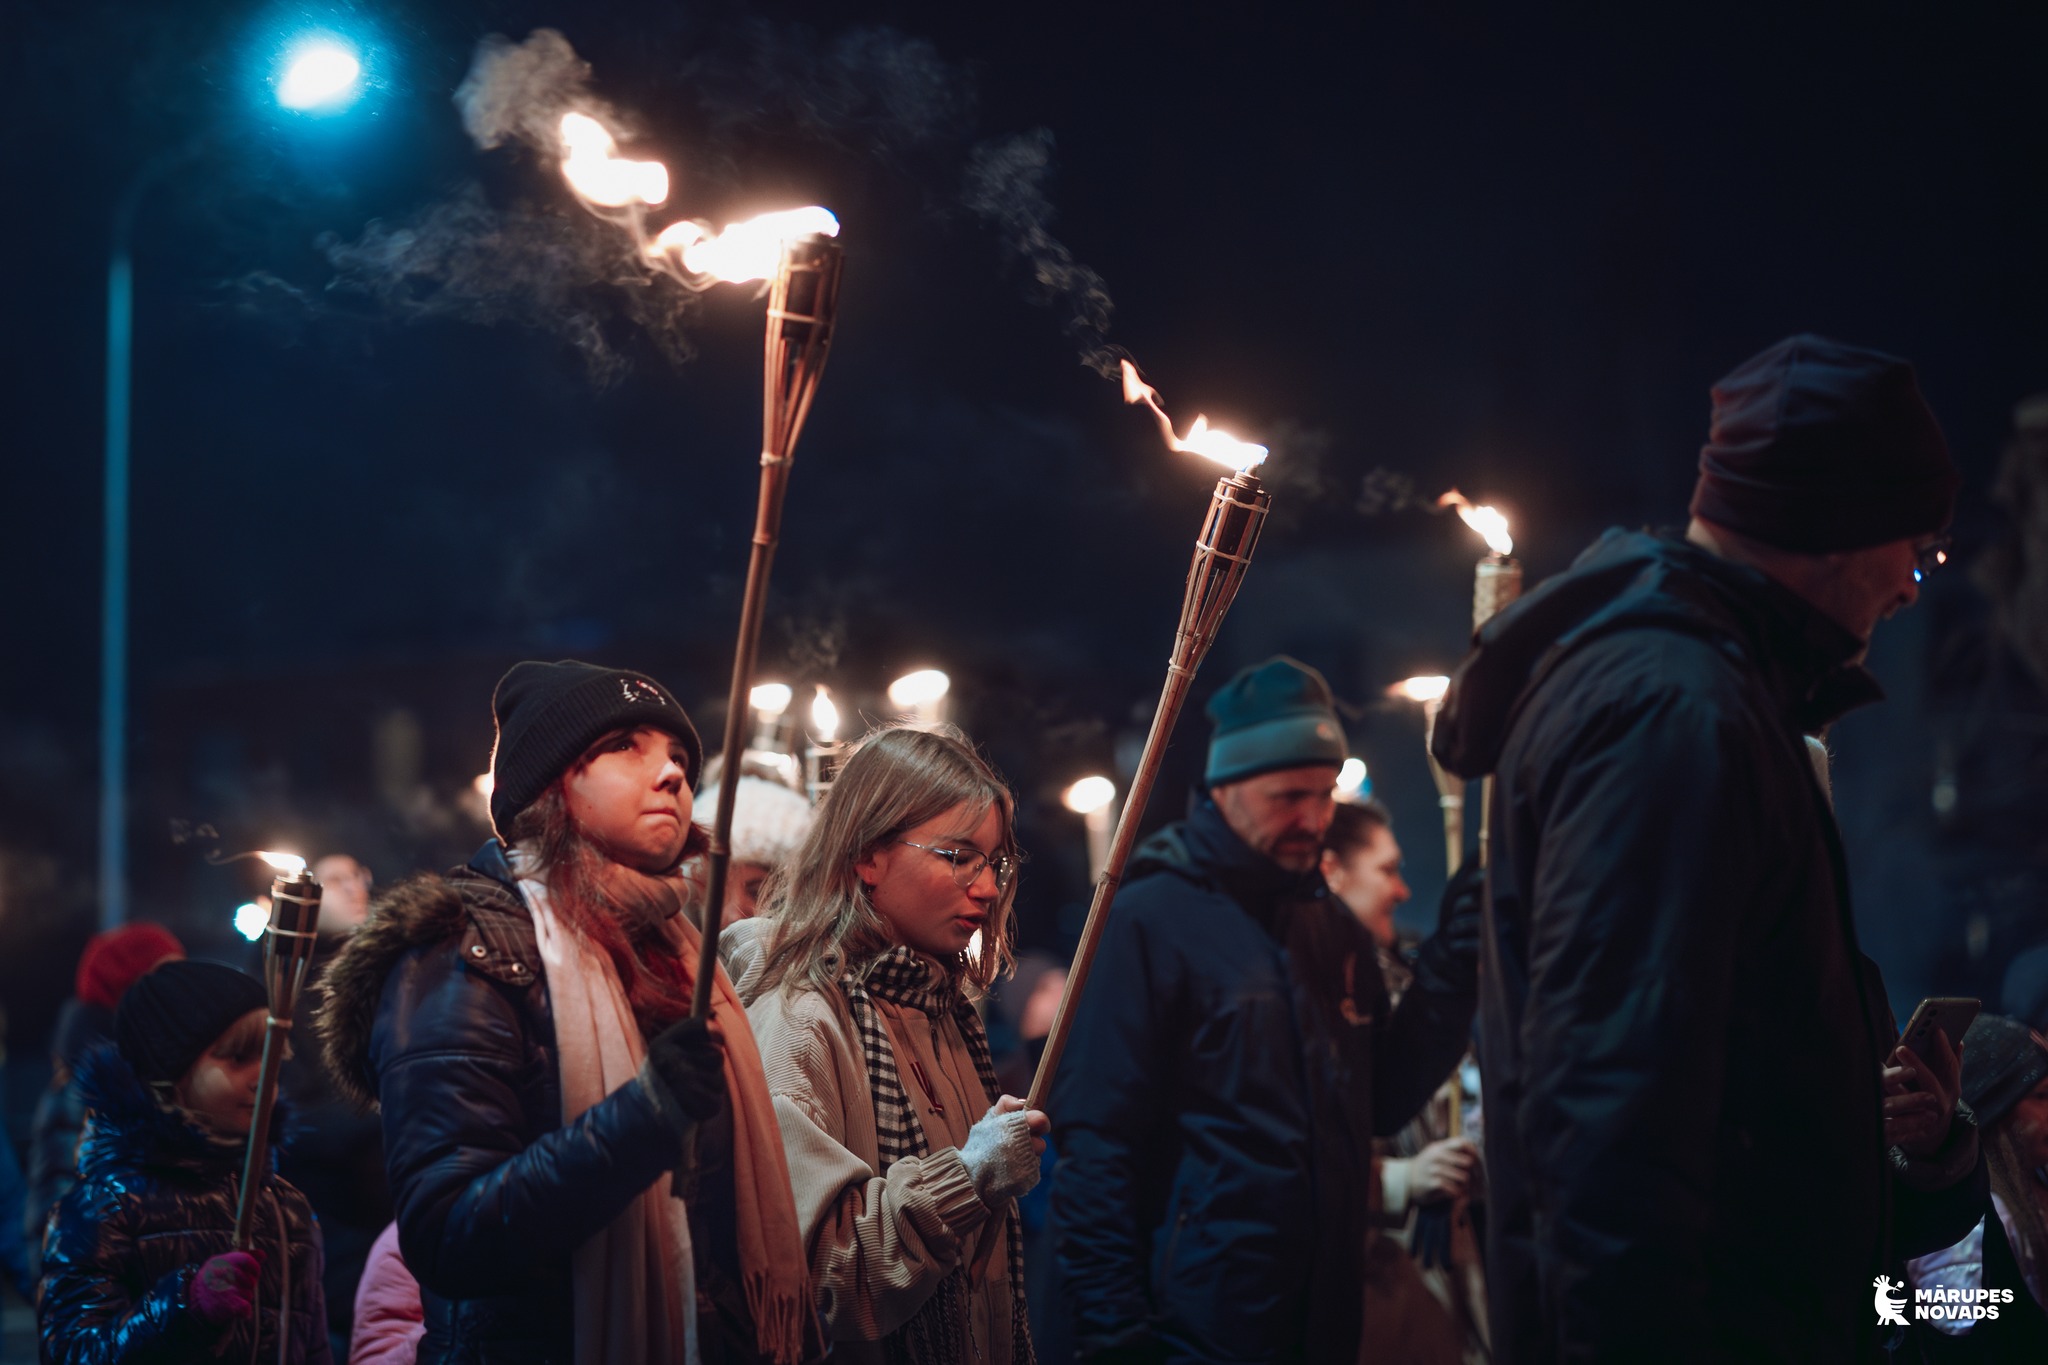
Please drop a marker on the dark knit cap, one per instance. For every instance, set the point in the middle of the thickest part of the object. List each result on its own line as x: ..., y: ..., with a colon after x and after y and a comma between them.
x: 1278, y: 714
x: 170, y: 1017
x: 112, y: 960
x: 548, y: 714
x: 2002, y: 1060
x: 1820, y: 447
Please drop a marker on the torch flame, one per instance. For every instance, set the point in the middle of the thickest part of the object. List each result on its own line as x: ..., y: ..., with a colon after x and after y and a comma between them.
x: 824, y: 716
x: 290, y: 863
x: 1487, y: 521
x: 744, y: 251
x: 771, y: 697
x: 1202, y: 439
x: 1421, y: 689
x: 595, y: 170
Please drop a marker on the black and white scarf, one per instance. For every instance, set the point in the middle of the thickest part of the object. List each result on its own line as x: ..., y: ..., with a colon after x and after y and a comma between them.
x: 937, y: 1334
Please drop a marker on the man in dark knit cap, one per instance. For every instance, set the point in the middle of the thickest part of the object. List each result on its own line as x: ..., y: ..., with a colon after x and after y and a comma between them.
x: 1700, y: 1141
x: 1233, y: 1059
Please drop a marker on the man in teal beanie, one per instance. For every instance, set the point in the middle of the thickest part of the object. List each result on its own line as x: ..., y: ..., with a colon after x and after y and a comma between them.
x: 1234, y: 1059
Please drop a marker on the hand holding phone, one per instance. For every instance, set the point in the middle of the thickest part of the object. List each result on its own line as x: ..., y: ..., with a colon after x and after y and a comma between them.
x: 1923, y: 1076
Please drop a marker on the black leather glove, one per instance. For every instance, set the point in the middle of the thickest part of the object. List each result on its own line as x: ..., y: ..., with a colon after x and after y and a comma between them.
x: 686, y: 1067
x: 1452, y: 952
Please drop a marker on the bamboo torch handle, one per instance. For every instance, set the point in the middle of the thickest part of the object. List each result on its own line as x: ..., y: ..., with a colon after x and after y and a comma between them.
x: 767, y: 530
x: 1172, y: 698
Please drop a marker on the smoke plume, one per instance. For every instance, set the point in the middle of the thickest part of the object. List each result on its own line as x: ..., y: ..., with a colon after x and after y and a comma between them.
x: 1005, y: 185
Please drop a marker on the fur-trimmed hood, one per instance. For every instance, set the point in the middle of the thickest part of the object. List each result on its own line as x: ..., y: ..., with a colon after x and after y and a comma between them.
x: 475, y: 908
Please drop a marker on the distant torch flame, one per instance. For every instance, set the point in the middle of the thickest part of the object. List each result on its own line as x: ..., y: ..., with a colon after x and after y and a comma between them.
x: 596, y: 171
x: 1202, y: 439
x: 1487, y: 521
x: 744, y: 251
x: 824, y: 716
x: 772, y: 698
x: 289, y: 863
x: 1421, y: 689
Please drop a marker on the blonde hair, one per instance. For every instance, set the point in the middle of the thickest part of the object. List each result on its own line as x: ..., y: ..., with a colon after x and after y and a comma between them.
x: 897, y: 779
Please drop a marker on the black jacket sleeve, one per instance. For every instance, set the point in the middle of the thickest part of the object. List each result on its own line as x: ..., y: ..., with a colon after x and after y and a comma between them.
x: 90, y: 1313
x: 479, y: 1205
x: 1432, y: 1026
x: 1112, y: 1091
x: 1631, y: 958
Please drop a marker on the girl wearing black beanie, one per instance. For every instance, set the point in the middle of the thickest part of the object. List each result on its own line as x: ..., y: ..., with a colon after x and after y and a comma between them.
x: 582, y: 1174
x: 139, y: 1263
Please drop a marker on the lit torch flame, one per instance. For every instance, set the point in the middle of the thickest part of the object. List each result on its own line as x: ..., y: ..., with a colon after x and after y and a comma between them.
x: 744, y: 251
x: 1487, y: 521
x: 595, y: 170
x: 824, y: 716
x: 291, y: 864
x: 1421, y: 689
x: 1202, y: 439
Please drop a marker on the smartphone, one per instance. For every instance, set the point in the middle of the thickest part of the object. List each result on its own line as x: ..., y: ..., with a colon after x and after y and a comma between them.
x: 1951, y: 1014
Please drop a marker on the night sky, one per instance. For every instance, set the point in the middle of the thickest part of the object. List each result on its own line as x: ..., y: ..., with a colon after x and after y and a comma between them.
x: 1453, y: 246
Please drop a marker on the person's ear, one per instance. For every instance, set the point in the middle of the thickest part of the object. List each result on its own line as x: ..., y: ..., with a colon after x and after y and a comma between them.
x: 869, y: 867
x: 1329, y: 863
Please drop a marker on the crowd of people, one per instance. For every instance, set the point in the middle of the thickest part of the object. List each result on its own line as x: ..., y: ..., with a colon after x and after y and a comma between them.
x: 1639, y: 1096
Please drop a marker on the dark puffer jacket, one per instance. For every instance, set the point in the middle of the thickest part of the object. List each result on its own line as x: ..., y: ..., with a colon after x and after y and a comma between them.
x: 1232, y: 1061
x: 438, y: 1012
x: 1680, y: 1039
x: 155, y: 1199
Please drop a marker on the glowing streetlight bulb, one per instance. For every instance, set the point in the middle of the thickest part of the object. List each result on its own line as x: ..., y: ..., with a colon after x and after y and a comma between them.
x: 319, y: 73
x: 1351, y: 779
x: 771, y: 699
x: 251, y: 920
x: 1089, y: 794
x: 291, y: 864
x: 921, y: 688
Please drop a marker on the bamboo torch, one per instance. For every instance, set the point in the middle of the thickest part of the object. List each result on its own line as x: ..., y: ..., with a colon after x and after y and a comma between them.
x: 1450, y: 791
x: 1223, y: 551
x: 287, y: 958
x: 802, y: 305
x: 1496, y: 583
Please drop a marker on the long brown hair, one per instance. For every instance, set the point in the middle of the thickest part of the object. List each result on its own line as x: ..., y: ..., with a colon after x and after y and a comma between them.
x: 895, y: 781
x: 614, y: 906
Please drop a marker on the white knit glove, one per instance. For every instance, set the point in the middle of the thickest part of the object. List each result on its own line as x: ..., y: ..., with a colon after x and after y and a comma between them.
x: 1001, y: 1156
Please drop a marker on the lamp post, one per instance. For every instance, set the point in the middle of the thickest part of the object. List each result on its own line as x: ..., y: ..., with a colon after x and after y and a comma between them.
x: 319, y: 75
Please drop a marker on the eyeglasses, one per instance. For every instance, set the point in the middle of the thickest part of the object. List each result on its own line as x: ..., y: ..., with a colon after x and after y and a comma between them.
x: 968, y: 863
x: 1930, y: 555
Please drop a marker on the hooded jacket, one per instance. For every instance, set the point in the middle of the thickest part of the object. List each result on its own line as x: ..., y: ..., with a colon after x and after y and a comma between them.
x: 1232, y: 1060
x: 155, y: 1199
x: 1681, y: 1042
x: 437, y: 1011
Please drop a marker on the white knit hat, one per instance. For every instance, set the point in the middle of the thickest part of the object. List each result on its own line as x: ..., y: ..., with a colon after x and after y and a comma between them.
x: 768, y: 823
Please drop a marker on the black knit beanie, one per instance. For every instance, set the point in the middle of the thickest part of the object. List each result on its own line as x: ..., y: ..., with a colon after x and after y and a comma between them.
x: 548, y: 714
x: 1821, y: 447
x: 171, y: 1016
x: 2002, y: 1060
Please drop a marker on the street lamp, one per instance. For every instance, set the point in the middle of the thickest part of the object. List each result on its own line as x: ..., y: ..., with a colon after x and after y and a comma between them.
x: 318, y: 74
x: 1092, y: 799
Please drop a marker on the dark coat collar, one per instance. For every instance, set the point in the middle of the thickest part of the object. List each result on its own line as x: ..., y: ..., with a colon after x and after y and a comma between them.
x: 1633, y: 580
x: 1204, y: 848
x: 131, y: 1128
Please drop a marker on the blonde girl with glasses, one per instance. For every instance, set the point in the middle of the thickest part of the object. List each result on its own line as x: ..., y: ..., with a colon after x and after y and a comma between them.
x: 876, y: 940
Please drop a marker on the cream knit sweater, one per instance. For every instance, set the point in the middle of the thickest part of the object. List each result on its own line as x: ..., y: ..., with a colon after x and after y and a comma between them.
x: 879, y: 1247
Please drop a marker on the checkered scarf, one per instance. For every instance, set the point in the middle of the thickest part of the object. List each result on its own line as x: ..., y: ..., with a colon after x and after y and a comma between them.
x: 937, y: 1334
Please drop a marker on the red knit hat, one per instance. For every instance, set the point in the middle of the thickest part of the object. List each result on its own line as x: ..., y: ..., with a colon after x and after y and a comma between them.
x: 115, y: 960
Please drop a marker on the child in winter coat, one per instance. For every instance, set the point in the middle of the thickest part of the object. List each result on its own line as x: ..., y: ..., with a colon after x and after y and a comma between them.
x: 139, y: 1263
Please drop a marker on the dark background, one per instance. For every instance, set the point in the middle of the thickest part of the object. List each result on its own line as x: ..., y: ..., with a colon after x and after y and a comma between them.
x: 1503, y: 251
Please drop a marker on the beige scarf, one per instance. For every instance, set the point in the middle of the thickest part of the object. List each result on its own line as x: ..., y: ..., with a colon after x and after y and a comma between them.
x: 635, y: 1288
